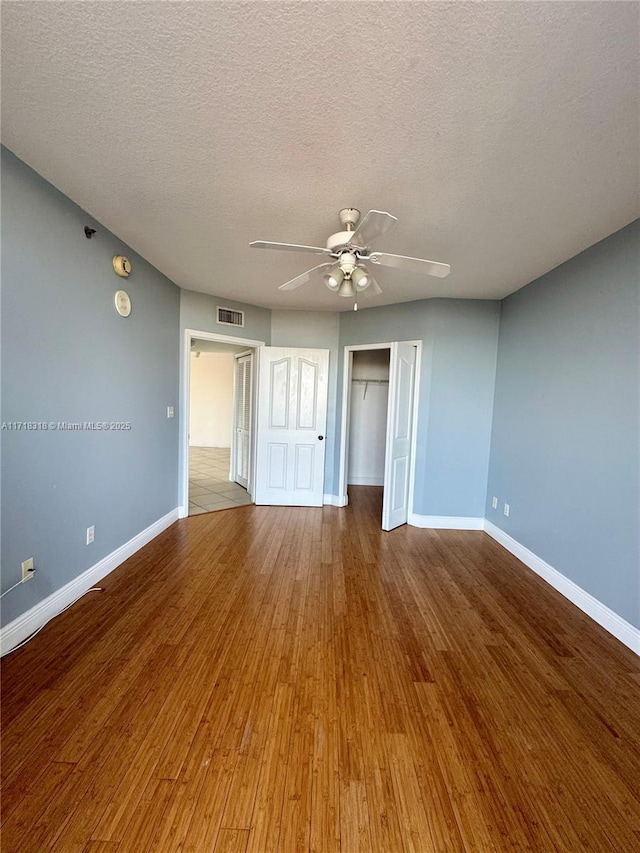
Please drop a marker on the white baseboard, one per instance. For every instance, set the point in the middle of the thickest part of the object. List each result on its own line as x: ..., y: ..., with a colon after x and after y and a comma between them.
x: 446, y: 522
x: 22, y: 627
x: 599, y: 612
x: 335, y: 500
x: 366, y: 481
x: 214, y: 446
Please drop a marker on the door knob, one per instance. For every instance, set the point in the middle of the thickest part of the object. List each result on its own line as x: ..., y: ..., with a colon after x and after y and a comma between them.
x: 320, y: 437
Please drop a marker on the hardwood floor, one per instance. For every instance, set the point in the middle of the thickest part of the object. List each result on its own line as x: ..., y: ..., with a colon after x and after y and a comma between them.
x: 273, y: 679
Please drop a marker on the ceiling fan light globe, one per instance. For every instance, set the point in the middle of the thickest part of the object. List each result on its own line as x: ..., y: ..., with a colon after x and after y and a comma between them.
x: 334, y: 279
x: 360, y: 279
x: 346, y: 288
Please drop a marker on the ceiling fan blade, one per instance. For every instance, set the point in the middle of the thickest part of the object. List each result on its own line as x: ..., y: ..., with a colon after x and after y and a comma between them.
x: 373, y: 289
x: 288, y: 247
x: 375, y: 223
x: 299, y: 280
x: 417, y: 265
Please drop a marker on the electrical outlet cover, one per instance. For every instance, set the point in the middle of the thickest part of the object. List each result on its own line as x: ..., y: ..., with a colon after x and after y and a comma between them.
x: 28, y: 569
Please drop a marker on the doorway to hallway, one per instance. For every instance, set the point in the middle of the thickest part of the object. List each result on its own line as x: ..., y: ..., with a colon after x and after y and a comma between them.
x: 217, y: 416
x: 209, y: 485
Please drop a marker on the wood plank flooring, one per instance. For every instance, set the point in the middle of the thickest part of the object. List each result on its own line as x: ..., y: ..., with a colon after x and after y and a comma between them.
x: 273, y: 679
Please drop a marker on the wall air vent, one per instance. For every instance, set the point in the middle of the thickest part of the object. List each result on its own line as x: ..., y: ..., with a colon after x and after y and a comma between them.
x: 230, y: 317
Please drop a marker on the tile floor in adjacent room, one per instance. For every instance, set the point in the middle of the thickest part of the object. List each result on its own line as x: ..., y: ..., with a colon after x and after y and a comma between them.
x: 209, y: 485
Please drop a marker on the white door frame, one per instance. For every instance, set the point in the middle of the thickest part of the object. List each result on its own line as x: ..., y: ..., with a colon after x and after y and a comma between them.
x: 346, y: 406
x: 183, y: 460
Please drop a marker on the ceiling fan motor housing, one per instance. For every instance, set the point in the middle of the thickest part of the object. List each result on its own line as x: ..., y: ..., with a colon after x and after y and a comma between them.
x: 349, y: 217
x: 339, y: 240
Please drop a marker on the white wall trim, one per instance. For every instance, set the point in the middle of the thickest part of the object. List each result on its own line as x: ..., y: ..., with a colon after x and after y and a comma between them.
x: 24, y: 625
x: 335, y: 500
x: 446, y: 522
x: 599, y: 612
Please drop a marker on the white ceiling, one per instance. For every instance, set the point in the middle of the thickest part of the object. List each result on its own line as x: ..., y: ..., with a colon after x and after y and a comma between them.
x: 504, y: 136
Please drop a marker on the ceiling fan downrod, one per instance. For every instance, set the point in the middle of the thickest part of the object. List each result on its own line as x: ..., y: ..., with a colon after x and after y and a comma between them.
x: 349, y: 217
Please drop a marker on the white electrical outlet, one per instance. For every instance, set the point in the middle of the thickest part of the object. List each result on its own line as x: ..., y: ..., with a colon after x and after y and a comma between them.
x: 91, y: 534
x: 169, y: 411
x: 28, y: 570
x: 494, y: 503
x: 506, y: 509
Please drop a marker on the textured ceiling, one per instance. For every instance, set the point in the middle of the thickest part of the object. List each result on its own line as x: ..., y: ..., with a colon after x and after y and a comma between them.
x: 504, y: 136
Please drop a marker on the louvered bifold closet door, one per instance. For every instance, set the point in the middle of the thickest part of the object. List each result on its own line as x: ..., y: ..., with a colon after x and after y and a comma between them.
x: 243, y: 418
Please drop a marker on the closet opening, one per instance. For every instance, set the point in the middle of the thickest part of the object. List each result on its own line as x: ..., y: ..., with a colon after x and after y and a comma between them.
x: 379, y: 424
x: 368, y: 405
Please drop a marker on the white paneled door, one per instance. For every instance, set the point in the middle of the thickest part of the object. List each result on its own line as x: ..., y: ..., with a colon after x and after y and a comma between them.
x: 291, y: 423
x: 397, y: 469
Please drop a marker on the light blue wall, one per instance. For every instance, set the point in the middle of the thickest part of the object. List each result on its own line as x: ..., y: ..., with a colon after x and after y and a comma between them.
x: 320, y: 330
x: 199, y: 311
x: 67, y: 356
x: 456, y: 393
x: 566, y: 428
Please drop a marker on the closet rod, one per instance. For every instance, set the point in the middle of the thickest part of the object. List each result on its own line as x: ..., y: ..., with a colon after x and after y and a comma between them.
x: 367, y: 382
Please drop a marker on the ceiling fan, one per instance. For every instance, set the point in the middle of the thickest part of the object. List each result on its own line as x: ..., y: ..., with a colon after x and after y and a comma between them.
x: 349, y: 249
